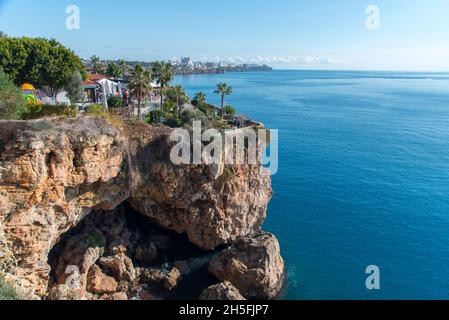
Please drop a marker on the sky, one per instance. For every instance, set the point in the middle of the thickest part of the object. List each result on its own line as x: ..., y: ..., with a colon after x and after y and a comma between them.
x: 408, y: 35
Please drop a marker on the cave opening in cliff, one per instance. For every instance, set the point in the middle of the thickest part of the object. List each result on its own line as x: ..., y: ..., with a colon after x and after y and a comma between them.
x: 123, y: 254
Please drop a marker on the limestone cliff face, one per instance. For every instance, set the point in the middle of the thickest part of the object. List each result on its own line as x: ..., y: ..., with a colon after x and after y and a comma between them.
x: 55, y: 172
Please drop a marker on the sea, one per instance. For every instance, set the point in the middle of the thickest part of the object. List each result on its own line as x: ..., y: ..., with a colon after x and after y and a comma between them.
x: 363, y: 177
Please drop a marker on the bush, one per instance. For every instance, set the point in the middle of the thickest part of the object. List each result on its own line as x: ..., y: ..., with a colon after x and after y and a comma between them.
x: 230, y: 111
x: 7, y: 291
x: 95, y: 109
x: 115, y: 102
x: 35, y: 111
x: 207, y: 109
x: 220, y: 124
x: 172, y: 121
x: 12, y: 102
x: 154, y: 117
x: 169, y: 106
x: 189, y: 116
x: 96, y: 240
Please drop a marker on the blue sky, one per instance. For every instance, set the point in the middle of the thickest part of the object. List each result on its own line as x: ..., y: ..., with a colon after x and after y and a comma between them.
x: 324, y: 34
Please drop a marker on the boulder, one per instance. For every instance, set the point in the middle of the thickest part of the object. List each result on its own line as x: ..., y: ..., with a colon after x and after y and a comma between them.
x: 119, y: 296
x: 63, y: 292
x: 121, y: 267
x: 172, y: 279
x: 222, y: 291
x: 74, y: 265
x: 152, y: 276
x: 141, y: 292
x: 253, y: 265
x: 98, y: 282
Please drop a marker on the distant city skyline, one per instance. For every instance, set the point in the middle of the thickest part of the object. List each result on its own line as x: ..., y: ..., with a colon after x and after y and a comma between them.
x: 403, y: 35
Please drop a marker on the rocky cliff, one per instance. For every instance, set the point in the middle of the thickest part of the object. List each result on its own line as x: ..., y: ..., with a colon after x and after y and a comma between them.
x: 55, y: 174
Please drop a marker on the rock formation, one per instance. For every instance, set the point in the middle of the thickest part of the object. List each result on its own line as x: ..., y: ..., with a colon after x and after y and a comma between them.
x: 222, y: 291
x: 54, y: 173
x: 253, y: 265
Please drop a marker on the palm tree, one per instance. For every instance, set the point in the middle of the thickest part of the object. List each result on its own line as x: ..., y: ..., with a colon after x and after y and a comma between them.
x: 163, y: 74
x: 97, y: 66
x: 140, y: 85
x: 123, y: 66
x: 200, y: 102
x: 200, y: 98
x: 180, y: 94
x: 224, y: 90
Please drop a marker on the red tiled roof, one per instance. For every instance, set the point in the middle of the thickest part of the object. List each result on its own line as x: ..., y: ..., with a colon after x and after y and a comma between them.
x: 89, y: 82
x: 96, y: 77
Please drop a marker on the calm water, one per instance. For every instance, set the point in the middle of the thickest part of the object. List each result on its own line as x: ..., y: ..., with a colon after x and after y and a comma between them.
x: 363, y: 178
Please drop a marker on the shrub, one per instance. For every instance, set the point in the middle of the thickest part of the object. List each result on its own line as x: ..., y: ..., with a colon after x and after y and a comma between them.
x: 115, y: 102
x: 230, y: 111
x: 172, y: 121
x: 220, y: 124
x: 96, y: 240
x: 7, y: 291
x: 35, y: 111
x: 169, y: 106
x: 95, y: 109
x: 205, y: 108
x: 154, y: 117
x: 12, y: 103
x: 188, y: 116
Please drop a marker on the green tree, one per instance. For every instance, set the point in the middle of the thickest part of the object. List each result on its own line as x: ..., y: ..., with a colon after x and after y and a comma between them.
x: 199, y: 99
x: 113, y: 70
x: 46, y: 64
x: 224, y: 90
x: 140, y: 85
x: 177, y: 95
x: 2, y: 34
x: 74, y: 88
x: 123, y: 66
x: 12, y: 102
x: 97, y: 66
x: 163, y: 74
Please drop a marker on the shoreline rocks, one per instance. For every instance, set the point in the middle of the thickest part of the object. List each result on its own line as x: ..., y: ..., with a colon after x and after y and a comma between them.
x: 253, y: 265
x: 222, y: 291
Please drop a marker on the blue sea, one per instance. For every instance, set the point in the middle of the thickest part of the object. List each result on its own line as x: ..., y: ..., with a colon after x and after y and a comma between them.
x: 363, y: 177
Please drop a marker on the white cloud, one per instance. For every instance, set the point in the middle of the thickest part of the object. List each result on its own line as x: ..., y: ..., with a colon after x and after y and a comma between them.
x: 275, y: 60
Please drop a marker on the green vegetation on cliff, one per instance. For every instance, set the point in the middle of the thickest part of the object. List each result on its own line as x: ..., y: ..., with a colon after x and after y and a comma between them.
x: 7, y: 291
